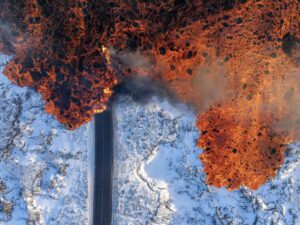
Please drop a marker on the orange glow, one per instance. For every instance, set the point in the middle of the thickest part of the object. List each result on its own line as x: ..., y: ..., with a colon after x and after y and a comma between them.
x: 106, y: 54
x: 235, y: 62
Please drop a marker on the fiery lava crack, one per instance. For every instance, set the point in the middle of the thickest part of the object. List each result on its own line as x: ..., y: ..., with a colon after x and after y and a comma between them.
x: 235, y: 62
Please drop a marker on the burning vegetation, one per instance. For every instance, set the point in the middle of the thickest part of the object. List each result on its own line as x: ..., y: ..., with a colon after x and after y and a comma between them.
x: 235, y: 62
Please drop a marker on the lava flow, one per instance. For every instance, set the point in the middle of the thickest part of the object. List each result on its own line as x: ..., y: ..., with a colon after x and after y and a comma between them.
x: 235, y: 62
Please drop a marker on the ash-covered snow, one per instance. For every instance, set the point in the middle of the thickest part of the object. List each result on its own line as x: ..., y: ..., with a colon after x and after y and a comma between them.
x: 159, y: 178
x: 43, y: 166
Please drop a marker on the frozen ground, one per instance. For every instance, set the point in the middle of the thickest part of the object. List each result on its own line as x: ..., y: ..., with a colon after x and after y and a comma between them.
x: 43, y: 167
x: 159, y: 178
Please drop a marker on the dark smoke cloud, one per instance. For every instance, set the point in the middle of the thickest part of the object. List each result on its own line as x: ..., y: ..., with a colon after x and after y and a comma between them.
x: 142, y: 87
x: 207, y: 87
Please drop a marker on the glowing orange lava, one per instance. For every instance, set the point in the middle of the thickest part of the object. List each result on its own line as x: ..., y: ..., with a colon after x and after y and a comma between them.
x: 235, y: 62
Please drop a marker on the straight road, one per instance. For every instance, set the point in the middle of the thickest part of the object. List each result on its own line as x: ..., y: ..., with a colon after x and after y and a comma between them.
x: 102, y: 212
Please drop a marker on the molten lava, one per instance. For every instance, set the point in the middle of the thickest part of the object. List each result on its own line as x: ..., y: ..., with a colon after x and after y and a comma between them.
x: 235, y: 62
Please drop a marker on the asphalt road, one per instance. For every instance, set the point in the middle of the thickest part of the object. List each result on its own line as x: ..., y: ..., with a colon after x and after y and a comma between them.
x: 102, y: 212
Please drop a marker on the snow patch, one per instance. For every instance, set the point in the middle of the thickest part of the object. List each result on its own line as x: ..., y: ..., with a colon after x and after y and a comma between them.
x: 44, y: 167
x: 159, y: 178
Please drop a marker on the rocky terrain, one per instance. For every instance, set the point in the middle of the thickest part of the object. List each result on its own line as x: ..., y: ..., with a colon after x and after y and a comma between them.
x: 44, y: 170
x: 160, y: 180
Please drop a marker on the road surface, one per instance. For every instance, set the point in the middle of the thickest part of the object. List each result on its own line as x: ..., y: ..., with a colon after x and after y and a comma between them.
x: 102, y: 212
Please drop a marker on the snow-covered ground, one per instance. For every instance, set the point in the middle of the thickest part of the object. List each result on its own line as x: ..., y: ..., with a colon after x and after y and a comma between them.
x: 43, y: 166
x: 159, y: 178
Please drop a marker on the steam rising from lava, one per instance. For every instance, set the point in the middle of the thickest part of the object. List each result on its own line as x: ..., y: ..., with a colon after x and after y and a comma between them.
x: 235, y: 62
